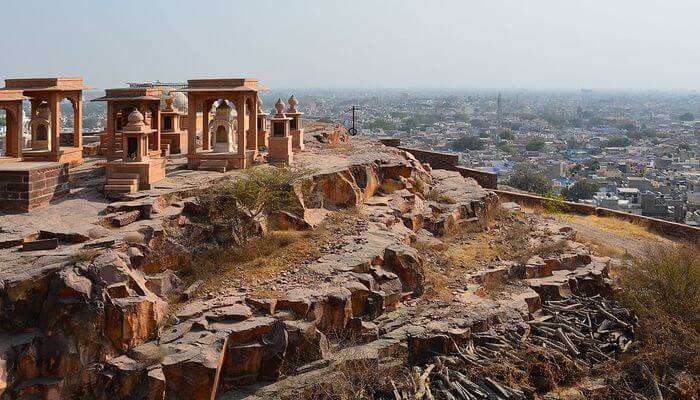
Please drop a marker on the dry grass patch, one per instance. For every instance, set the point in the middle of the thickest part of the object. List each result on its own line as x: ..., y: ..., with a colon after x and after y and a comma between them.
x: 665, y: 281
x: 618, y: 227
x: 467, y: 254
x: 467, y: 250
x: 264, y: 257
x: 257, y: 259
x: 663, y: 289
x: 360, y: 378
x: 604, y: 250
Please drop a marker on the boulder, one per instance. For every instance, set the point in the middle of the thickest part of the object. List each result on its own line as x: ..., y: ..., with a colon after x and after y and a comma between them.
x: 132, y: 320
x: 306, y: 343
x: 286, y: 221
x: 405, y: 262
x: 164, y: 283
x: 257, y: 355
x: 193, y: 369
x: 424, y: 346
x: 332, y: 311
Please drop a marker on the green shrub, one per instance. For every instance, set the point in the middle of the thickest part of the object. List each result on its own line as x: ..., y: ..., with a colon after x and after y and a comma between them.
x: 234, y: 207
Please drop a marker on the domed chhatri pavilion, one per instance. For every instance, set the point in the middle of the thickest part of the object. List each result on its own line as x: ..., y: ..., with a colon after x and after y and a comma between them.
x: 235, y: 143
x: 36, y: 173
x: 120, y: 104
x: 139, y: 167
x: 44, y: 95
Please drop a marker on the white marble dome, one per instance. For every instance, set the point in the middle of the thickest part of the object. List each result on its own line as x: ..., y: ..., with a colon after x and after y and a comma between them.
x: 179, y: 98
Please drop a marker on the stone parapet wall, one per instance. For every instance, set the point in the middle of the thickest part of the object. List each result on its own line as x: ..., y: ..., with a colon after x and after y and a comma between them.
x: 672, y: 229
x: 26, y: 189
x: 487, y: 180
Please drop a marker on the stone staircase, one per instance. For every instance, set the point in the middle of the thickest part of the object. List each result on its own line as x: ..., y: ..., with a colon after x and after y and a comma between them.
x: 213, y: 165
x: 165, y: 145
x: 122, y: 183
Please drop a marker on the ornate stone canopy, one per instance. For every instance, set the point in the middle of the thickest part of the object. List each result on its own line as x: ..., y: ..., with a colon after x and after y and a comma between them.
x: 40, y: 127
x: 222, y: 129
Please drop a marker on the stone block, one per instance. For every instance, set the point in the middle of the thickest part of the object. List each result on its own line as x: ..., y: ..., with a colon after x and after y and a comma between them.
x: 42, y: 244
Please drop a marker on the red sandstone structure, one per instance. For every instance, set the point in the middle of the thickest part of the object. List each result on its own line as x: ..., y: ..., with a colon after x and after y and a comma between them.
x: 139, y: 166
x: 173, y: 138
x: 262, y: 126
x: 45, y: 94
x: 295, y: 128
x: 120, y: 104
x: 280, y: 151
x: 235, y: 145
x: 11, y: 102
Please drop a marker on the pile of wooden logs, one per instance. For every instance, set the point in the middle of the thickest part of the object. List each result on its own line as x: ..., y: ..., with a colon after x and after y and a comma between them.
x: 580, y: 331
x: 591, y: 329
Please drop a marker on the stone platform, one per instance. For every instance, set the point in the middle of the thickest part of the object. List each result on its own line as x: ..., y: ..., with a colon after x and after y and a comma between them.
x: 27, y: 185
x: 70, y: 155
x: 232, y: 160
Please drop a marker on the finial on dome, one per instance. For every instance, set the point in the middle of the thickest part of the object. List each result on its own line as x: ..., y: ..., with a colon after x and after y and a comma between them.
x: 279, y: 106
x: 169, y: 103
x: 293, y: 102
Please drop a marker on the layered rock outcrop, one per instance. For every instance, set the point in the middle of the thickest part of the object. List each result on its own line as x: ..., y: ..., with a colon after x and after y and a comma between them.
x: 102, y: 323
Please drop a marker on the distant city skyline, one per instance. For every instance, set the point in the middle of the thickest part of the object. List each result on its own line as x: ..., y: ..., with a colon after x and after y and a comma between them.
x: 478, y: 44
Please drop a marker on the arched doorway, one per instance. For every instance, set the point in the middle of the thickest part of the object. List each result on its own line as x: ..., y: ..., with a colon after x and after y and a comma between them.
x: 221, y: 134
x: 41, y: 128
x: 67, y: 117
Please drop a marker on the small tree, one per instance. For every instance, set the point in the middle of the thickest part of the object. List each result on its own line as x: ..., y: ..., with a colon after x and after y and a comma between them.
x: 582, y: 189
x: 618, y: 141
x: 236, y: 206
x: 535, y: 145
x: 467, y: 142
x: 687, y: 117
x: 507, y: 135
x: 527, y: 177
x: 506, y: 147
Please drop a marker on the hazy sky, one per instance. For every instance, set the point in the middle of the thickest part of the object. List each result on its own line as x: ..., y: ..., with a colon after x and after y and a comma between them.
x: 618, y: 44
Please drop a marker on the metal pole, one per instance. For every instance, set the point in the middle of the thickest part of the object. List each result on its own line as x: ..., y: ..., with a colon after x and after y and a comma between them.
x: 352, y: 131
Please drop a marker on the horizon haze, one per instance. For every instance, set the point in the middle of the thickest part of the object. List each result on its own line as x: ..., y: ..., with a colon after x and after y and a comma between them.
x: 547, y: 44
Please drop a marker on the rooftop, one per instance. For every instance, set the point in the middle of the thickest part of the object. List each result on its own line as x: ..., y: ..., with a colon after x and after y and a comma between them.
x: 11, y: 94
x: 223, y: 84
x: 126, y: 94
x: 45, y: 84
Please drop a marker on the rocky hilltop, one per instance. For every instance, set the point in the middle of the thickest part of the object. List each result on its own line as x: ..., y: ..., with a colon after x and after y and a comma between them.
x: 390, y: 271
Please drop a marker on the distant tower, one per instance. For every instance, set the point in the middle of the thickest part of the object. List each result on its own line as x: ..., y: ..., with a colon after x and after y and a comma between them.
x: 499, y: 108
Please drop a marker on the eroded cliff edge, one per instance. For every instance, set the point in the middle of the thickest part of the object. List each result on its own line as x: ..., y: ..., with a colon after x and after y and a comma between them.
x: 123, y: 316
